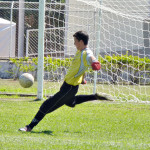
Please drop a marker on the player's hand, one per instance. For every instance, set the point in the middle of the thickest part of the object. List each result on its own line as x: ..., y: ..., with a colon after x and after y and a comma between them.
x: 96, y: 65
x: 83, y: 81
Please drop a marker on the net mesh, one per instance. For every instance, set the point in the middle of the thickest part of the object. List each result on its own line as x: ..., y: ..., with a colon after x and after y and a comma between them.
x: 119, y: 33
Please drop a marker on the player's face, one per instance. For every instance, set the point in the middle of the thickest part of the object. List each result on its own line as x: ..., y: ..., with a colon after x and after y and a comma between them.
x: 77, y: 43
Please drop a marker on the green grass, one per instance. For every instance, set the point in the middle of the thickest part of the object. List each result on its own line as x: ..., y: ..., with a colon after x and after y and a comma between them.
x: 124, y: 92
x: 13, y: 86
x: 89, y: 126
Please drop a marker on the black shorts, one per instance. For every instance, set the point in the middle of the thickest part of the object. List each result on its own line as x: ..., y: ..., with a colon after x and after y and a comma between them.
x: 66, y: 95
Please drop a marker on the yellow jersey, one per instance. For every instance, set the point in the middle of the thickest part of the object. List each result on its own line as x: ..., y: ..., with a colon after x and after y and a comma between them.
x: 79, y: 65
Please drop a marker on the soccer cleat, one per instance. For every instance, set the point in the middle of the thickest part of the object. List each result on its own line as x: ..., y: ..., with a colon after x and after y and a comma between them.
x: 104, y: 96
x: 25, y: 129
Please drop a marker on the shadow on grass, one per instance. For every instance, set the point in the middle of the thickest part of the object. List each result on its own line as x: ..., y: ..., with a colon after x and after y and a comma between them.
x: 37, y: 99
x: 48, y: 132
x: 78, y: 132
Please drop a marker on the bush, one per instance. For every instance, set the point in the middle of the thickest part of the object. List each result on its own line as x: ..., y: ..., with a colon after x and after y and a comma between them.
x: 135, y: 67
x: 30, y: 65
x: 116, y: 66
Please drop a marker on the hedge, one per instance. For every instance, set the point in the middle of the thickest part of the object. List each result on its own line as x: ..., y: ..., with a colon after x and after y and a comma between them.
x: 116, y: 65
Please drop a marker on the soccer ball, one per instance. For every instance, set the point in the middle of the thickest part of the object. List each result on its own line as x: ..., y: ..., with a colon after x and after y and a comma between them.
x: 26, y: 80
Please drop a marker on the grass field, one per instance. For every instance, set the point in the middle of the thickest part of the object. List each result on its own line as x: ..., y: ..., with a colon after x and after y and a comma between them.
x: 125, y: 92
x: 90, y: 126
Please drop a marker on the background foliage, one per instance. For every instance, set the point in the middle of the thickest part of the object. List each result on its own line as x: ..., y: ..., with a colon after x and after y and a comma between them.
x: 135, y: 68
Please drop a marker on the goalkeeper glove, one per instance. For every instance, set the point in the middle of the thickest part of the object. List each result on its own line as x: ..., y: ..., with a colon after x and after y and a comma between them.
x: 96, y: 65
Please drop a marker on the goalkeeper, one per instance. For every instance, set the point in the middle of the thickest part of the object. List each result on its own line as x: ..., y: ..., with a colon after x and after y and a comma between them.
x: 75, y: 76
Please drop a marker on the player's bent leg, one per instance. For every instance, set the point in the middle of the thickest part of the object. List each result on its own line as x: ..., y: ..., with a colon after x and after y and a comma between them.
x: 85, y: 98
x: 80, y: 99
x: 65, y: 95
x: 71, y: 103
x: 52, y: 104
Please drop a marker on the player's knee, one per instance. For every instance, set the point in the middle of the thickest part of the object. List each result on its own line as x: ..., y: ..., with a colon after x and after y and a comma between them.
x: 71, y: 105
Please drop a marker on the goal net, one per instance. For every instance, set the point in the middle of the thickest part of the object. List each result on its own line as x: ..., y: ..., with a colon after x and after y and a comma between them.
x: 119, y: 37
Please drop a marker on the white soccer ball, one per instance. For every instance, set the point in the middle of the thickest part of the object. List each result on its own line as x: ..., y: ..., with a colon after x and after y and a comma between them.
x: 26, y: 80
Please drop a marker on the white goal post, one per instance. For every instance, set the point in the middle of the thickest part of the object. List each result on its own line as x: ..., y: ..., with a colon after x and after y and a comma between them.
x: 41, y: 48
x: 119, y: 37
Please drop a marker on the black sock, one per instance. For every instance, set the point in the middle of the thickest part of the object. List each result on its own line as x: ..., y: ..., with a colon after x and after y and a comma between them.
x: 38, y: 117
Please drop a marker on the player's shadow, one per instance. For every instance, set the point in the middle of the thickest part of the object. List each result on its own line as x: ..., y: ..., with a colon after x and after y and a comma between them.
x: 48, y: 132
x: 77, y: 132
x: 37, y: 99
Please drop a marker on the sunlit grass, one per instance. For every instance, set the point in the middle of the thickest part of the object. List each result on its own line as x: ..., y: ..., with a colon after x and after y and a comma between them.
x: 120, y: 92
x: 13, y: 86
x: 89, y: 126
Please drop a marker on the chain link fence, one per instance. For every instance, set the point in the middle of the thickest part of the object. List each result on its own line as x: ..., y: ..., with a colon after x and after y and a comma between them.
x: 25, y: 16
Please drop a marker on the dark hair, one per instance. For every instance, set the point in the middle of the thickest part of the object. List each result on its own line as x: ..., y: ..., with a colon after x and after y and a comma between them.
x: 82, y: 35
